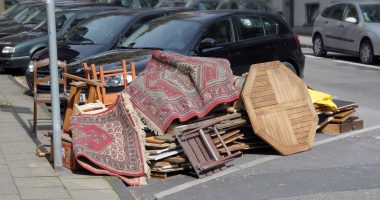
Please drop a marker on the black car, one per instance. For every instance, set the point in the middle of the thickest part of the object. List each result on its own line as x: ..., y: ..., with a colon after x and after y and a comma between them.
x: 99, y: 34
x: 35, y: 13
x: 242, y: 37
x: 18, y: 49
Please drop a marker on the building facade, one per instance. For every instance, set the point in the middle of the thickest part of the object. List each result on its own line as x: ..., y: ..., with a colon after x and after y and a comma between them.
x: 301, y: 14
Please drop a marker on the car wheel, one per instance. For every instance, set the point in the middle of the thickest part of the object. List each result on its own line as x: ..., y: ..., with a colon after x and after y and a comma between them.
x: 366, y: 52
x: 291, y: 67
x: 318, y: 48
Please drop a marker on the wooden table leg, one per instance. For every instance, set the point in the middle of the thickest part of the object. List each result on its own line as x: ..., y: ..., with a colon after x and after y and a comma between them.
x: 74, y: 98
x: 91, y: 94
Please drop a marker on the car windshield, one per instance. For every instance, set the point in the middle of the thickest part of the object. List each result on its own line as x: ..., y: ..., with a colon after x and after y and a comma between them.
x: 60, y: 20
x: 247, y: 5
x: 173, y: 35
x: 27, y: 13
x: 371, y: 12
x: 38, y: 18
x: 14, y: 10
x: 97, y: 31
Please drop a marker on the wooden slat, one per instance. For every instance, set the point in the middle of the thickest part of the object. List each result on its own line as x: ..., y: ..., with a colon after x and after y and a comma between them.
x: 263, y: 88
x: 264, y: 98
x: 262, y: 83
x: 206, y: 155
x: 300, y: 109
x: 261, y: 94
x: 301, y: 120
x: 343, y: 114
x: 298, y: 115
x: 265, y: 103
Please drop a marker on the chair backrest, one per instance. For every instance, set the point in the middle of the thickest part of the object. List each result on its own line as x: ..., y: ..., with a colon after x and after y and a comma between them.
x: 46, y: 78
x: 109, y: 98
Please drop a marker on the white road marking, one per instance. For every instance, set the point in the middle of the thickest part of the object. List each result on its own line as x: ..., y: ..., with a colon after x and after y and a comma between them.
x: 190, y: 184
x: 346, y: 62
x: 357, y: 64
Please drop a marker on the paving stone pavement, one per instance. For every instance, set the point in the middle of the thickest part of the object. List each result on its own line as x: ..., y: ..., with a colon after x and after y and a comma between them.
x: 23, y: 175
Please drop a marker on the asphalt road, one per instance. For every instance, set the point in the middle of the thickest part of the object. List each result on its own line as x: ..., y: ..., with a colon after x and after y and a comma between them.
x: 337, y: 167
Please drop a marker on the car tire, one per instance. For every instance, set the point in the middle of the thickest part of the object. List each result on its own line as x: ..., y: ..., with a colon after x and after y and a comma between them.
x: 366, y: 52
x: 291, y: 67
x: 318, y: 46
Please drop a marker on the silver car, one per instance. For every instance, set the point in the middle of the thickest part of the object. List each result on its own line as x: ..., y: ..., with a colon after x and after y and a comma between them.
x: 350, y: 28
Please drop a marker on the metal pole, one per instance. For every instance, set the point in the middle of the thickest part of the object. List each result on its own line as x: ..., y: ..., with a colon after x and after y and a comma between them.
x: 54, y: 86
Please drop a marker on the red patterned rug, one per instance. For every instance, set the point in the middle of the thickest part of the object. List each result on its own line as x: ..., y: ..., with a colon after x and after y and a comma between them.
x: 174, y: 86
x: 111, y: 143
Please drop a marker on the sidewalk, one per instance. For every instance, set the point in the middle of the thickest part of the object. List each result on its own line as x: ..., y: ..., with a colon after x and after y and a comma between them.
x: 306, y: 41
x: 23, y: 175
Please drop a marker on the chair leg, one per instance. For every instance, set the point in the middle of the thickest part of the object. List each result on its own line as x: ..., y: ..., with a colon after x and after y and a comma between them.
x: 35, y: 118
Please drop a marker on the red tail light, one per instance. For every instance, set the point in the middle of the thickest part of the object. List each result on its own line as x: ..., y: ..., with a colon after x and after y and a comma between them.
x: 297, y: 39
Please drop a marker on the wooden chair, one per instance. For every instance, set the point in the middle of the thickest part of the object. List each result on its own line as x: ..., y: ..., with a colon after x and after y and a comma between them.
x: 109, y: 98
x: 76, y: 87
x: 40, y: 98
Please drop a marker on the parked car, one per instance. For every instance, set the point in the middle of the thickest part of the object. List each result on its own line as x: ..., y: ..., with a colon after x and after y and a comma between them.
x: 351, y: 28
x: 35, y: 13
x: 242, y: 37
x: 17, y: 50
x: 100, y: 35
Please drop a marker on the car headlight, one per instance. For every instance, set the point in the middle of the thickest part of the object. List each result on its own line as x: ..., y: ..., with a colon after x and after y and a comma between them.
x: 8, y: 49
x: 31, y: 67
x: 115, y: 81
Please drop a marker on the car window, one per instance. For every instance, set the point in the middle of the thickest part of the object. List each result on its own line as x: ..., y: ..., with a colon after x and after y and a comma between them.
x: 336, y: 12
x: 270, y: 26
x: 250, y: 27
x: 351, y: 12
x: 97, y: 31
x: 371, y: 12
x: 220, y: 31
x: 60, y: 20
x: 175, y: 35
x: 139, y: 22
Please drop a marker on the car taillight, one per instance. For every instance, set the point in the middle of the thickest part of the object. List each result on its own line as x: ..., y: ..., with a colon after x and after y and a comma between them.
x: 297, y: 39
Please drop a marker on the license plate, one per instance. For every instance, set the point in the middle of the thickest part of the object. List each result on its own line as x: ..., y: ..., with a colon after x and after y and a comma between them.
x: 47, y: 83
x: 82, y: 98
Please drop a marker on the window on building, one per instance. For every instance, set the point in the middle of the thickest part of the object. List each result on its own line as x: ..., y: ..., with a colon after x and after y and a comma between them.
x: 312, y: 12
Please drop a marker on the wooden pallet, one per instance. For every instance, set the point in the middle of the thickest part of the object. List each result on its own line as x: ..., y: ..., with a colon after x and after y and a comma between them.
x: 279, y: 107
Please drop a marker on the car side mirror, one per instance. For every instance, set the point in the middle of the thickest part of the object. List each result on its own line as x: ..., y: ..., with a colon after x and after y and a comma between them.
x: 207, y: 43
x: 351, y: 20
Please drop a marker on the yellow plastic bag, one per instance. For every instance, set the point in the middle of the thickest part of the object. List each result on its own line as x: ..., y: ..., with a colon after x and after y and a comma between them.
x: 322, y: 99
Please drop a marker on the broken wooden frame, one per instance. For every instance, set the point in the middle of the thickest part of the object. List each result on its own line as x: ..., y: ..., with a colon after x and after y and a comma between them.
x: 197, y: 144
